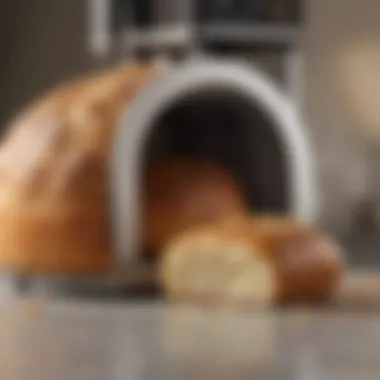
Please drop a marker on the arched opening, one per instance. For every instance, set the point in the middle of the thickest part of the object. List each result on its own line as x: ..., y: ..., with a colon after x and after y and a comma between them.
x: 259, y: 137
x: 224, y: 127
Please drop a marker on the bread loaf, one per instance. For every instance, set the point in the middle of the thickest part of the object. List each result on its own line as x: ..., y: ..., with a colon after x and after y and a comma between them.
x: 53, y: 175
x: 183, y: 193
x: 265, y: 261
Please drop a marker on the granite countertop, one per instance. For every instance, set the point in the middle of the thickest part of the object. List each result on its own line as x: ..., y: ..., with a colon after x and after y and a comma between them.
x: 51, y: 339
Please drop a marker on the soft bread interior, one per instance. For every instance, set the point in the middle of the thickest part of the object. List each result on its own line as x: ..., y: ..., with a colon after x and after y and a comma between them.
x: 211, y: 270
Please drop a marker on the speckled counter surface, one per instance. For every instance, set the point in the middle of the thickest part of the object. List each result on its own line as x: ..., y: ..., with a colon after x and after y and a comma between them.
x: 76, y: 340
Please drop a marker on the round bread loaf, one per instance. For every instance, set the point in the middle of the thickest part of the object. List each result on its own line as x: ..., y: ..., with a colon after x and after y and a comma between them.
x: 183, y: 193
x: 264, y: 261
x: 53, y: 176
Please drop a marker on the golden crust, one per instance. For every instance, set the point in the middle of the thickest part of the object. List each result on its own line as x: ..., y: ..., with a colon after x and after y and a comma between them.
x: 53, y: 175
x: 308, y: 262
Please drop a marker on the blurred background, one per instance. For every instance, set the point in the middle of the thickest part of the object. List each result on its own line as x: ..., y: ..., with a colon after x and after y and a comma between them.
x: 325, y: 56
x: 45, y: 42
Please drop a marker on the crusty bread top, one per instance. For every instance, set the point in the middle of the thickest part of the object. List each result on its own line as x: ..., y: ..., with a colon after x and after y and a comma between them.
x: 53, y: 176
x: 56, y: 148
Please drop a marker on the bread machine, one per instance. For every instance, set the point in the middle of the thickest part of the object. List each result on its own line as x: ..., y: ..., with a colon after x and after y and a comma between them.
x: 230, y: 78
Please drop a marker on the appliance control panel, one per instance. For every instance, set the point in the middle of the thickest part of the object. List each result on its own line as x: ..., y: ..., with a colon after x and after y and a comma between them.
x: 163, y: 23
x: 271, y: 12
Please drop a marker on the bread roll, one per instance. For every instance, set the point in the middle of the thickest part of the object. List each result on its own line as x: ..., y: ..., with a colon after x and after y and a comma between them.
x: 183, y: 193
x: 262, y: 261
x: 53, y: 176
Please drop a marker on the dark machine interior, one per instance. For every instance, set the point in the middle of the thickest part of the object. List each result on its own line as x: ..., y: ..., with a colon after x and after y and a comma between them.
x: 227, y: 129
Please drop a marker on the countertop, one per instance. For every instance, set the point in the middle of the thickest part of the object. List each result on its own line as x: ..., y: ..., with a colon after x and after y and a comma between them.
x: 68, y: 339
